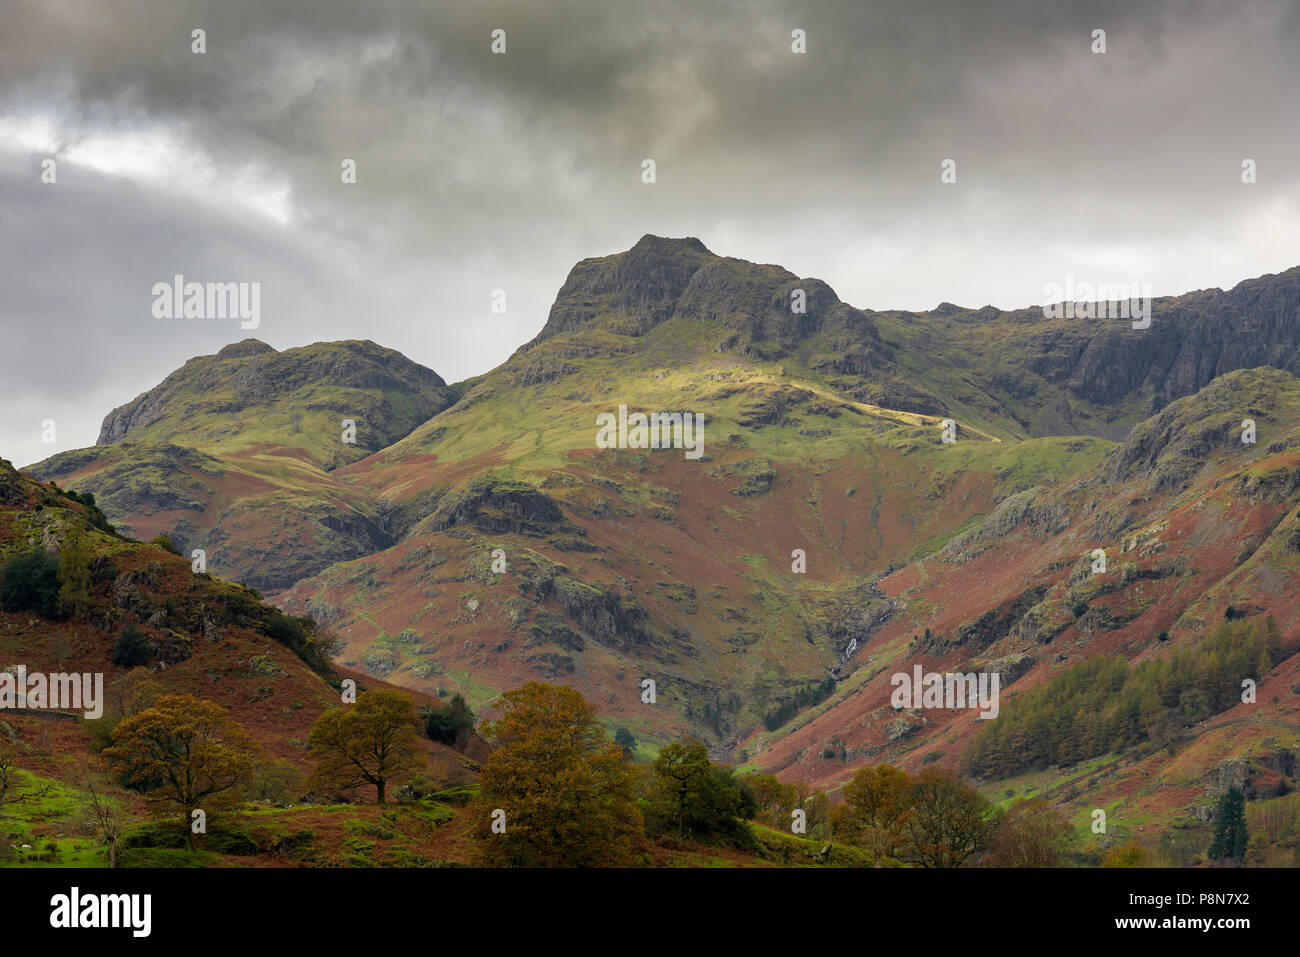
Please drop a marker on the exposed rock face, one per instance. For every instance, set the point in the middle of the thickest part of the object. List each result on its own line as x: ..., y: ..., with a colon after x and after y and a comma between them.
x: 1022, y: 509
x: 1193, y: 339
x: 12, y: 491
x: 146, y: 479
x: 1227, y: 774
x: 1283, y: 761
x: 497, y: 507
x: 379, y: 662
x: 899, y: 728
x: 1047, y: 365
x: 658, y: 279
x: 1010, y: 668
x: 648, y: 278
x: 612, y: 619
x: 655, y: 272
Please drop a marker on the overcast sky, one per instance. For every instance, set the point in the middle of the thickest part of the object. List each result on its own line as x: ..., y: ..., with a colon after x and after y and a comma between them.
x: 478, y: 171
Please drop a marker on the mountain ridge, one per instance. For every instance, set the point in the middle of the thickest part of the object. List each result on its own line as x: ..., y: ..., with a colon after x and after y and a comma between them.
x: 823, y: 436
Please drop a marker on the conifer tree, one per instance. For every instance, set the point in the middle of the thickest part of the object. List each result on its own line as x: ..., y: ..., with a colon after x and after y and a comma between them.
x: 1230, y: 836
x: 74, y: 572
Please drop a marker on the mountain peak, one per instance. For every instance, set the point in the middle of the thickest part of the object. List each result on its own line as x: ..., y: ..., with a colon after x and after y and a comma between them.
x: 946, y: 308
x: 667, y: 245
x: 247, y: 347
x: 759, y: 308
x: 646, y: 279
x: 249, y: 381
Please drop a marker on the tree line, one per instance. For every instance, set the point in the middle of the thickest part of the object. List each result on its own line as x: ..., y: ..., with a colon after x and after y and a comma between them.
x: 557, y: 791
x: 1104, y: 704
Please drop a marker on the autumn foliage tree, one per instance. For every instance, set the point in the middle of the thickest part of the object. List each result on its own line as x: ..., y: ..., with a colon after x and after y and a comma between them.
x: 1129, y: 854
x: 184, y: 751
x: 1104, y: 704
x: 932, y: 820
x: 1031, y: 834
x: 877, y: 811
x: 776, y: 801
x: 565, y: 789
x: 369, y: 742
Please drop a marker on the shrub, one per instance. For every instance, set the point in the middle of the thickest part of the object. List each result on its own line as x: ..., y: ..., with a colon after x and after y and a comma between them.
x: 1131, y: 854
x: 132, y: 648
x: 451, y: 725
x: 30, y: 582
x: 164, y: 542
x: 276, y: 781
x: 625, y: 740
x: 93, y: 513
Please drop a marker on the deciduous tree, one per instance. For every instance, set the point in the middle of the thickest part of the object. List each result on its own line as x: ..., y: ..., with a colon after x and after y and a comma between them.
x: 877, y: 810
x: 104, y: 812
x: 369, y: 742
x: 564, y: 787
x: 184, y: 751
x: 951, y: 820
x: 682, y: 771
x: 699, y: 797
x: 8, y: 773
x: 1031, y: 834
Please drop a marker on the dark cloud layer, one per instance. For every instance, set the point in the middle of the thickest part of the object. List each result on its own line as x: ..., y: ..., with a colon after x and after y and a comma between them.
x: 478, y: 172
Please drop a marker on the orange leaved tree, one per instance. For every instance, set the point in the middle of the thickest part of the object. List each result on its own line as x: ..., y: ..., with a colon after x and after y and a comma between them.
x: 184, y: 751
x: 555, y: 792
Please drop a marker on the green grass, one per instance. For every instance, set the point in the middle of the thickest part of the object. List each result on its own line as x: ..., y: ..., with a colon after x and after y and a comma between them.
x: 47, y: 811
